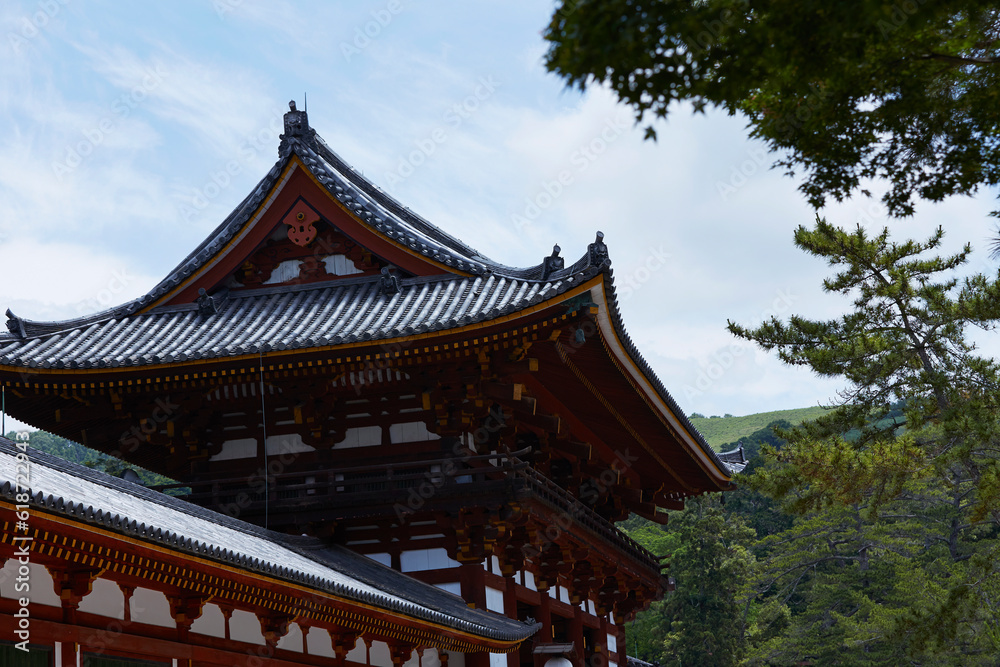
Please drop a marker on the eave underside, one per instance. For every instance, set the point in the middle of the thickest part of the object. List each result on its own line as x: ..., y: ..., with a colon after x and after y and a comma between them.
x: 577, y: 396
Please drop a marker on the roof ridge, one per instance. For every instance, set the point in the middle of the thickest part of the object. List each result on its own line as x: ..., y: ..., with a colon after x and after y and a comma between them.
x: 369, y: 204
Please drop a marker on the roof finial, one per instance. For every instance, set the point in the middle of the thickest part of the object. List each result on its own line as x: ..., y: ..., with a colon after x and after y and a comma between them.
x: 15, y: 325
x: 296, y: 127
x: 206, y: 304
x: 388, y: 282
x: 552, y: 263
x: 597, y: 252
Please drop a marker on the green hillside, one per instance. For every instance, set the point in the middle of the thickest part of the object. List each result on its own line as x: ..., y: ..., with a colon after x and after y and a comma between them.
x: 724, y: 430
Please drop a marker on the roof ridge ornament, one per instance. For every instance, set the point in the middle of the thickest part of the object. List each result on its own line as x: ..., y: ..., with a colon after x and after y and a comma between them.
x: 296, y: 127
x: 209, y: 305
x: 552, y: 263
x: 597, y: 252
x: 15, y: 325
x: 388, y: 283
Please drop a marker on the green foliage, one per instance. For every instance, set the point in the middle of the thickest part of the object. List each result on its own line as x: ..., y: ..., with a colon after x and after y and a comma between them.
x: 700, y: 623
x: 842, y: 91
x: 77, y: 453
x: 711, y: 566
x: 904, y: 342
x: 723, y: 433
x: 892, y: 558
x: 878, y: 521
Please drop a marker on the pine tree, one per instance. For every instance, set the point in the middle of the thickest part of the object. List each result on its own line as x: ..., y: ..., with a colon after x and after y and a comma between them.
x: 711, y: 567
x: 895, y: 556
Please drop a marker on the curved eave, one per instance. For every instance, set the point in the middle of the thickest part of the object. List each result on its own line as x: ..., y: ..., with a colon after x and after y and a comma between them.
x: 644, y: 378
x: 569, y: 290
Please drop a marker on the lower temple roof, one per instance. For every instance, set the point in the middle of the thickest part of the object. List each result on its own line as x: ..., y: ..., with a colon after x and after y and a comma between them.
x: 86, y: 495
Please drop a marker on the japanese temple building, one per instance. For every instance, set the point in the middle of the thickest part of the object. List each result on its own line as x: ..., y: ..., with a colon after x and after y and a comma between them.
x: 384, y: 439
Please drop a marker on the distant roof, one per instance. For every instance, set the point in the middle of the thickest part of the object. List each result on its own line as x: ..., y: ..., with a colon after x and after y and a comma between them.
x: 636, y: 662
x: 735, y: 459
x: 90, y: 496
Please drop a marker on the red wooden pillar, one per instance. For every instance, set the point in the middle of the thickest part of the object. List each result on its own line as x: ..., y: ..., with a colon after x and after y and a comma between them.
x: 602, y: 641
x: 576, y: 636
x: 69, y: 654
x: 510, y: 611
x: 545, y: 618
x: 473, y: 580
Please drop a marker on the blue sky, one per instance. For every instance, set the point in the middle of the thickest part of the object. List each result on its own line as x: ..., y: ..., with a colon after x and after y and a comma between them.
x: 128, y: 131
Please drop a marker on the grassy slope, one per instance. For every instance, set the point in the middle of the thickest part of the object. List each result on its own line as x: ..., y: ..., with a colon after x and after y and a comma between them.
x: 721, y: 430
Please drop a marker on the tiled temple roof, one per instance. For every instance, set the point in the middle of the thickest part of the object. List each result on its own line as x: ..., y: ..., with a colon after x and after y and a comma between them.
x: 348, y: 310
x: 90, y: 496
x: 734, y: 459
x: 281, y: 318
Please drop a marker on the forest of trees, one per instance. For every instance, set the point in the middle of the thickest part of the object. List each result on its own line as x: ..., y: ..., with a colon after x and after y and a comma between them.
x: 759, y: 585
x: 869, y: 535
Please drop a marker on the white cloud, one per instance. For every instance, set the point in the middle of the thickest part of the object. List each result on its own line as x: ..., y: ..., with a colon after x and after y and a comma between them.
x: 56, y: 281
x: 224, y: 81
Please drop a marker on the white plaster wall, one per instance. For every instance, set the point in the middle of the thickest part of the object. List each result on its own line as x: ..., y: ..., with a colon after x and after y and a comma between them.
x: 383, y: 558
x: 380, y: 655
x: 431, y: 658
x: 612, y: 643
x: 244, y: 627
x: 498, y: 660
x: 106, y: 599
x: 211, y: 622
x: 318, y: 642
x: 289, y: 443
x: 452, y: 587
x: 433, y: 536
x: 494, y: 600
x: 361, y: 436
x: 411, y: 432
x: 426, y: 559
x: 358, y: 654
x: 340, y: 265
x: 149, y: 606
x: 283, y: 272
x: 292, y: 641
x: 413, y: 661
x: 236, y: 449
x: 40, y: 589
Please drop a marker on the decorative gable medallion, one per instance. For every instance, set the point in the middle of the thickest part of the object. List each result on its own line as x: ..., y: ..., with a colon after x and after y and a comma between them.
x: 311, y: 250
x: 301, y: 220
